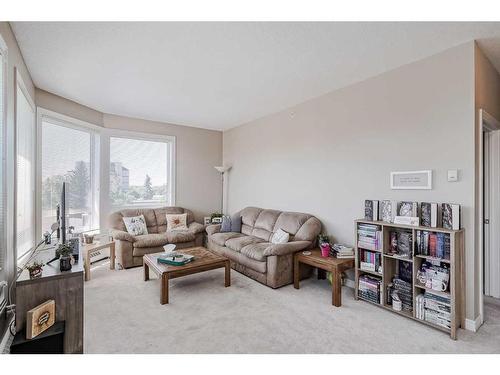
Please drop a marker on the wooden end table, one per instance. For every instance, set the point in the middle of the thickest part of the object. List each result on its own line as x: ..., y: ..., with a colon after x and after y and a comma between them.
x: 88, y: 249
x: 334, y: 265
x: 204, y: 260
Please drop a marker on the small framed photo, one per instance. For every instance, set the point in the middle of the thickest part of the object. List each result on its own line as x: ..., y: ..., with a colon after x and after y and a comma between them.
x: 412, y: 180
x: 207, y: 220
x: 217, y: 220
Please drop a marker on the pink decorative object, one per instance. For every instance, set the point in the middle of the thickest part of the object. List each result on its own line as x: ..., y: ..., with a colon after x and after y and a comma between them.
x: 325, y: 250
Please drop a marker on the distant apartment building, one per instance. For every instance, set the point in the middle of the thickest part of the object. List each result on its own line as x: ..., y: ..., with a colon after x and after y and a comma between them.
x: 121, y: 174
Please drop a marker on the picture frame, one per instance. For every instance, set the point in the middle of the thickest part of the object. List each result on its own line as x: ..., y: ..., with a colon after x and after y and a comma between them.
x: 411, y: 180
x: 217, y: 220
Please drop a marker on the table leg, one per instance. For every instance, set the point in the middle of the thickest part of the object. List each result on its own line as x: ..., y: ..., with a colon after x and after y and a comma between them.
x: 227, y: 274
x: 164, y: 289
x: 86, y: 265
x: 112, y: 256
x: 146, y: 272
x: 296, y: 272
x: 336, y: 288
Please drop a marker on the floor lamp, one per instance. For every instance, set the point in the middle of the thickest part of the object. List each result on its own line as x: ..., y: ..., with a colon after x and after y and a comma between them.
x: 222, y: 170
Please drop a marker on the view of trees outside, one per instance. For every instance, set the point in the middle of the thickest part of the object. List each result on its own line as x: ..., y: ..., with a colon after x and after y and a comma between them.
x: 66, y: 158
x: 138, y: 172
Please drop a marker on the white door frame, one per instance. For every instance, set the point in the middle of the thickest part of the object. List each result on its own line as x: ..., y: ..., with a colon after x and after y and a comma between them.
x: 486, y: 123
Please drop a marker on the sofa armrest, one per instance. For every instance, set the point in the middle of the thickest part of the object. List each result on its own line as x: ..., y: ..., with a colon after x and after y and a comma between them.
x: 214, y: 228
x: 287, y: 248
x: 195, y: 227
x: 122, y: 235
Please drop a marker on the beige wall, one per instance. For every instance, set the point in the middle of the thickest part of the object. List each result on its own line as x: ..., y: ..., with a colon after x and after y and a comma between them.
x: 327, y: 155
x: 67, y: 107
x: 15, y: 62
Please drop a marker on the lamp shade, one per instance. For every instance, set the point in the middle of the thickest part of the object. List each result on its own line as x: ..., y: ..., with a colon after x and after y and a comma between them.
x: 223, y: 169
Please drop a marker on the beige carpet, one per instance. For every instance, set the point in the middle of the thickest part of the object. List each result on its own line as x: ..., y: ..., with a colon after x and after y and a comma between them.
x: 123, y: 315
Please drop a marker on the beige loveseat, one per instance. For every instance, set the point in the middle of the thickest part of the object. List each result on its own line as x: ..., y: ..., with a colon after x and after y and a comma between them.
x: 251, y: 252
x: 130, y: 249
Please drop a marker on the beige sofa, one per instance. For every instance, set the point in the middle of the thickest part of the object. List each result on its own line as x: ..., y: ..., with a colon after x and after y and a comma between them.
x: 251, y: 252
x: 130, y: 249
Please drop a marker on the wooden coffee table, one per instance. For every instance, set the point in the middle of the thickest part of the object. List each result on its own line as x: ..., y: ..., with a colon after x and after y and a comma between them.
x: 204, y: 260
x: 334, y: 265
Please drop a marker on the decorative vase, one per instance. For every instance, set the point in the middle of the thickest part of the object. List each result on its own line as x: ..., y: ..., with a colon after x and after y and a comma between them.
x: 325, y: 249
x: 65, y: 263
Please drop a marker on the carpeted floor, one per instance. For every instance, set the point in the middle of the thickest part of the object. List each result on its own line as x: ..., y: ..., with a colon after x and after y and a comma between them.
x: 123, y: 315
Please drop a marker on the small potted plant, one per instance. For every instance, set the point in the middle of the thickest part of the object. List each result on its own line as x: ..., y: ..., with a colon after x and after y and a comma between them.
x: 64, y: 252
x: 35, y: 270
x: 324, y: 245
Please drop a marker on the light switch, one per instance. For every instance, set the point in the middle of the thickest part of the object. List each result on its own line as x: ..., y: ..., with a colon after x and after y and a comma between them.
x: 452, y: 175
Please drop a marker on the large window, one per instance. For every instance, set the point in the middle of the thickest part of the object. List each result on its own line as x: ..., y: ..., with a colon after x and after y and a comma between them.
x: 140, y: 172
x: 25, y: 169
x: 68, y: 156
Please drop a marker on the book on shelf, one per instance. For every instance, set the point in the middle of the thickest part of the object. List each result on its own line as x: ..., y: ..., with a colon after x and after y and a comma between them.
x: 388, y: 210
x: 370, y: 261
x: 437, y: 309
x: 401, y: 243
x: 369, y: 236
x: 433, y: 244
x: 407, y: 209
x: 369, y: 288
x: 371, y: 210
x: 450, y: 216
x: 404, y: 291
x: 429, y: 214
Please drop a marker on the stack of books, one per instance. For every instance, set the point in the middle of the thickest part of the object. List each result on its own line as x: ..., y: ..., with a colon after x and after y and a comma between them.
x: 433, y: 244
x: 404, y: 291
x: 369, y: 236
x: 341, y: 251
x: 370, y: 261
x: 369, y: 288
x: 437, y: 309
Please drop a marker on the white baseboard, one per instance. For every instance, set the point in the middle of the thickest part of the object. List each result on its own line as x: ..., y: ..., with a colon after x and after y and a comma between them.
x: 473, y: 325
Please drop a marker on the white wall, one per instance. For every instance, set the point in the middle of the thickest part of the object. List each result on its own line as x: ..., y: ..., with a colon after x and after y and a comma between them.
x: 15, y: 62
x: 327, y: 155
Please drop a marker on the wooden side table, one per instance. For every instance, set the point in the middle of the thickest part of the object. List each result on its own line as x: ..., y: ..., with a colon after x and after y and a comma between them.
x: 88, y: 249
x: 334, y: 265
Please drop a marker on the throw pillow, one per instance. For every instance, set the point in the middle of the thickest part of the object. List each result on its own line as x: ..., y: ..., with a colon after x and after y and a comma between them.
x: 177, y: 222
x: 280, y: 236
x: 231, y: 224
x: 136, y: 225
x: 225, y: 225
x: 236, y: 223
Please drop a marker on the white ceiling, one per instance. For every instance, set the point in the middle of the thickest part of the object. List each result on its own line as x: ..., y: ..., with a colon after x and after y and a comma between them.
x: 220, y: 75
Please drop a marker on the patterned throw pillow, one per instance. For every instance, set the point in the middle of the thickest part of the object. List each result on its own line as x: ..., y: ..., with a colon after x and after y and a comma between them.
x: 280, y: 236
x: 177, y: 222
x: 226, y: 224
x: 136, y: 225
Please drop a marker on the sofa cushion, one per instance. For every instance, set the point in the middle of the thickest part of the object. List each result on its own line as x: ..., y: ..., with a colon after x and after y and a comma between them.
x: 150, y: 240
x: 221, y: 238
x: 136, y: 225
x: 177, y: 236
x: 256, y: 251
x: 239, y: 242
x: 259, y: 266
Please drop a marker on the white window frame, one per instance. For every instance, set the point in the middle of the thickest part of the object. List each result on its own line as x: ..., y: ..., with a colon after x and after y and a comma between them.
x: 22, y: 86
x: 94, y: 131
x: 106, y: 207
x: 3, y: 167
